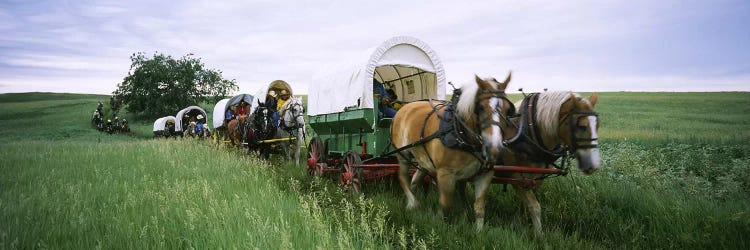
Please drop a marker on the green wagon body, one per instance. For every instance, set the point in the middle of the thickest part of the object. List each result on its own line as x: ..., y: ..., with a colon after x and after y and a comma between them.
x: 345, y: 131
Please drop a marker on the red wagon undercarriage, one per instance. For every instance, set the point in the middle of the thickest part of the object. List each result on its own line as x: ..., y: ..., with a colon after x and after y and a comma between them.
x: 356, y: 168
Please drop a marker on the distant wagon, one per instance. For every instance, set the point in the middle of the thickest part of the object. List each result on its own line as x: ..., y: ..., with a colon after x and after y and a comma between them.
x: 346, y: 109
x: 186, y: 116
x: 221, y: 120
x: 164, y: 127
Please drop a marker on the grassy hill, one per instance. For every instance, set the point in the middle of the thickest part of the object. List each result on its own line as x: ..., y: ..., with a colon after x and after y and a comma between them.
x: 676, y: 175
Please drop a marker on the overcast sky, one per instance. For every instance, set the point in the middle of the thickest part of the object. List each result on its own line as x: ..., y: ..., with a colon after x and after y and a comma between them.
x: 84, y: 46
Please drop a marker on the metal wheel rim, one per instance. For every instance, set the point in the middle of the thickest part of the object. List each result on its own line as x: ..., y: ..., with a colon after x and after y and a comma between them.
x: 350, y: 167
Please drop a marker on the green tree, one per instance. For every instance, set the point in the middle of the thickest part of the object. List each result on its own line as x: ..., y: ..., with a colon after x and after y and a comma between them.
x: 161, y: 85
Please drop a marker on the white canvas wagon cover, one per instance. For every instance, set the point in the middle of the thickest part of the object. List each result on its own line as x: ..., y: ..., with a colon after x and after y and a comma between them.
x: 221, y: 107
x: 181, y: 114
x: 160, y: 124
x: 219, y: 110
x: 277, y: 86
x: 399, y: 61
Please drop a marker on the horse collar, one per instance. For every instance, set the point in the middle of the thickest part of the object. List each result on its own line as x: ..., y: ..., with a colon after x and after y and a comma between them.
x: 528, y: 139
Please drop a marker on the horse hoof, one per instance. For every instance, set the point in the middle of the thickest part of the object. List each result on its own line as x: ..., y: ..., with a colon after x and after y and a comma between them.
x: 412, y: 206
x: 480, y: 224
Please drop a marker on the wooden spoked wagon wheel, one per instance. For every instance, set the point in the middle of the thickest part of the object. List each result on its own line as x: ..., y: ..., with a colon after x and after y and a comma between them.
x: 351, y: 175
x: 315, y: 154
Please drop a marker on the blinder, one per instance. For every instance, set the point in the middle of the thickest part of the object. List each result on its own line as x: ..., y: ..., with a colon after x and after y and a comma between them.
x: 573, y: 123
x: 495, y: 94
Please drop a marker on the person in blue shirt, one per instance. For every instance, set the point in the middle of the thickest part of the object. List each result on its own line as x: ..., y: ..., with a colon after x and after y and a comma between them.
x: 383, y: 99
x: 198, y: 128
x: 228, y: 116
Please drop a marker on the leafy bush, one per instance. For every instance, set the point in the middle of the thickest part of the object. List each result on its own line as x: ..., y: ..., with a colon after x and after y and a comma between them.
x: 162, y: 85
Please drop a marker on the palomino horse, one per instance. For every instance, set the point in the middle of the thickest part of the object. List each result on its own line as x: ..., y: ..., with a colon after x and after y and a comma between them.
x: 292, y: 124
x: 238, y: 130
x: 478, y: 111
x: 551, y: 125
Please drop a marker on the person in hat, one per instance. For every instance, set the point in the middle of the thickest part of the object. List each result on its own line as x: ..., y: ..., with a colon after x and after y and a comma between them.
x: 271, y: 100
x: 99, y: 106
x: 108, y: 126
x: 283, y: 97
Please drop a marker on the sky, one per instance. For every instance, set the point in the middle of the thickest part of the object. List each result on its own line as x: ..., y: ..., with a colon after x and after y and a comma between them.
x: 85, y: 46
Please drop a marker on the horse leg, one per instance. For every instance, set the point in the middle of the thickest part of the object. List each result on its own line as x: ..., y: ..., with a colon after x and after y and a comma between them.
x: 532, y: 205
x: 461, y: 191
x: 298, y: 146
x: 417, y: 179
x: 446, y: 186
x: 481, y: 185
x: 403, y: 179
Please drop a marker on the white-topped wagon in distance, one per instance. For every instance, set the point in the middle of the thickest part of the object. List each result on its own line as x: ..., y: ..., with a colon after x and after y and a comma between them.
x: 188, y: 118
x: 164, y: 126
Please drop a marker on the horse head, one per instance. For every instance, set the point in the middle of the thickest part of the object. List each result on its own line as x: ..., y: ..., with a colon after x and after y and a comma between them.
x: 262, y: 122
x: 293, y: 113
x: 578, y: 130
x: 481, y: 106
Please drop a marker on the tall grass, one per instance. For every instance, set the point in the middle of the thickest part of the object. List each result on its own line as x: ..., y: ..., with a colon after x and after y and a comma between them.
x: 163, y: 194
x: 675, y: 176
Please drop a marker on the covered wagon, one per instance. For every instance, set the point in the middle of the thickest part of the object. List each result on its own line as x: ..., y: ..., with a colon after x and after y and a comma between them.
x: 346, y: 107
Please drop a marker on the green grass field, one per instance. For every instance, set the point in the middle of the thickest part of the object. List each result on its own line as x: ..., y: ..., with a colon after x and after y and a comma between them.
x: 676, y: 175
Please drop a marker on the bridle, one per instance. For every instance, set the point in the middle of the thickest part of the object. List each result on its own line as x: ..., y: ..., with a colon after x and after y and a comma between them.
x: 486, y: 123
x: 483, y: 122
x: 262, y: 120
x: 573, y: 119
x: 295, y: 125
x: 527, y: 135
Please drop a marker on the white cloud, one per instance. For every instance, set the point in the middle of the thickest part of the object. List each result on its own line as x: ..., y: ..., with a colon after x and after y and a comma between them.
x: 583, y: 45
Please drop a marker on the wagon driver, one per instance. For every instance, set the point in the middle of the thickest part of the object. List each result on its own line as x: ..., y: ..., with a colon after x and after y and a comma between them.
x: 384, y: 100
x: 242, y: 108
x: 283, y: 97
x: 271, y: 104
x: 229, y: 115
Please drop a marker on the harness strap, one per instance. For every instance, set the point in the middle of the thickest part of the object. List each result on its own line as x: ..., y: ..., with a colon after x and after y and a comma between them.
x: 528, y: 138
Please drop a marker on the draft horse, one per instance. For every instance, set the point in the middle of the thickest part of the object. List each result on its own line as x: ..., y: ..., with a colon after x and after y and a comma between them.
x: 476, y: 109
x: 292, y: 125
x: 239, y: 130
x: 551, y: 125
x: 262, y: 128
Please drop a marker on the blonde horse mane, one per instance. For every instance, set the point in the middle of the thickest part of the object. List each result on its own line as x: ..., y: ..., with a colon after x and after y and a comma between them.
x: 548, y: 110
x: 465, y: 105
